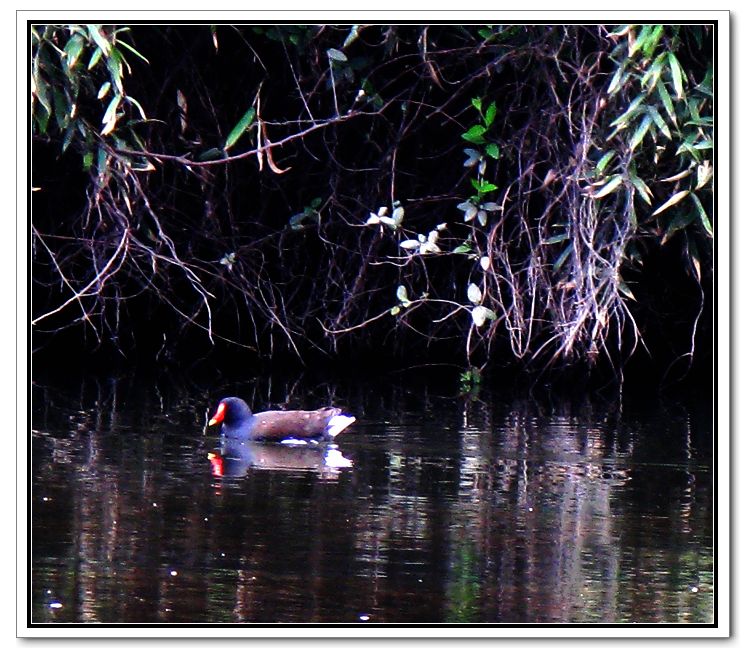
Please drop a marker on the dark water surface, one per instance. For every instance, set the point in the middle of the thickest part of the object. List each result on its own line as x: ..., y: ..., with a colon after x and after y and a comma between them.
x: 497, y: 508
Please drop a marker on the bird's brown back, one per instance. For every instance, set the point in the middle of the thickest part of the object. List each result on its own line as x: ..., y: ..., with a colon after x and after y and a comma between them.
x: 301, y: 423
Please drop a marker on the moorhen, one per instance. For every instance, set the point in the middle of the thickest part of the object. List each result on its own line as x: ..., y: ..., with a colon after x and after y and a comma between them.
x: 240, y: 423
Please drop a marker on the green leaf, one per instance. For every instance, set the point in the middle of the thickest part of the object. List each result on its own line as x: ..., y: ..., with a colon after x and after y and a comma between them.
x: 677, y: 75
x: 87, y: 160
x: 352, y: 36
x: 658, y: 119
x: 111, y: 109
x: 633, y: 254
x: 240, y: 128
x: 631, y: 110
x: 475, y: 134
x: 61, y: 108
x: 102, y: 159
x: 42, y: 120
x: 110, y: 116
x: 704, y: 145
x: 693, y: 106
x: 640, y: 133
x: 604, y: 161
x: 705, y: 122
x: 616, y: 80
x: 640, y: 41
x: 485, y: 187
x: 134, y: 102
x: 562, y: 257
x: 99, y: 39
x: 132, y: 50
x: 493, y: 150
x: 73, y: 50
x: 706, y: 85
x: 652, y: 41
x: 704, y: 174
x: 95, y: 58
x: 620, y: 31
x: 211, y: 154
x: 114, y: 64
x: 632, y: 213
x: 687, y: 146
x: 68, y: 137
x: 702, y: 215
x: 680, y: 221
x: 652, y: 75
x: 614, y: 182
x: 671, y: 202
x: 41, y: 91
x: 477, y: 103
x: 624, y: 289
x: 641, y: 188
x: 490, y: 114
x: 463, y: 248
x: 103, y: 90
x: 666, y: 100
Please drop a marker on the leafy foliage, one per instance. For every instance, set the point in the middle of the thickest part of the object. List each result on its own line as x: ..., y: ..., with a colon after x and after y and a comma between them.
x: 506, y: 188
x: 78, y: 72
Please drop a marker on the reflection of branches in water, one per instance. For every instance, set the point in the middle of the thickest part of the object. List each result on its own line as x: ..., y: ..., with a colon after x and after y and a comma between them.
x: 513, y: 510
x: 571, y: 475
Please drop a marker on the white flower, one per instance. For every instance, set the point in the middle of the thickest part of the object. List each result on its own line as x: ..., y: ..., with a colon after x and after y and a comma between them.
x: 474, y: 293
x: 381, y: 217
x: 228, y: 260
x: 479, y: 315
x: 398, y: 215
x: 472, y: 157
x: 425, y: 245
x: 469, y: 210
x: 410, y: 244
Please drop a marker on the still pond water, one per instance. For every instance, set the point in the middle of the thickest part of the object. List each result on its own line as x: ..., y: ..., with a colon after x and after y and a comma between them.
x: 498, y: 508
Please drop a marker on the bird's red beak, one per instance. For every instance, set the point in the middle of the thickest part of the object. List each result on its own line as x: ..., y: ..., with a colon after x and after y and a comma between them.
x: 219, y: 415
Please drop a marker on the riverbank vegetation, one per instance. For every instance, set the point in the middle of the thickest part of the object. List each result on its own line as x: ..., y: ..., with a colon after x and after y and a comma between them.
x: 538, y: 196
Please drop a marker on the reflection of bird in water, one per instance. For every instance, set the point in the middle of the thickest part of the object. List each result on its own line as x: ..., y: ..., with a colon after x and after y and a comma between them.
x: 236, y: 457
